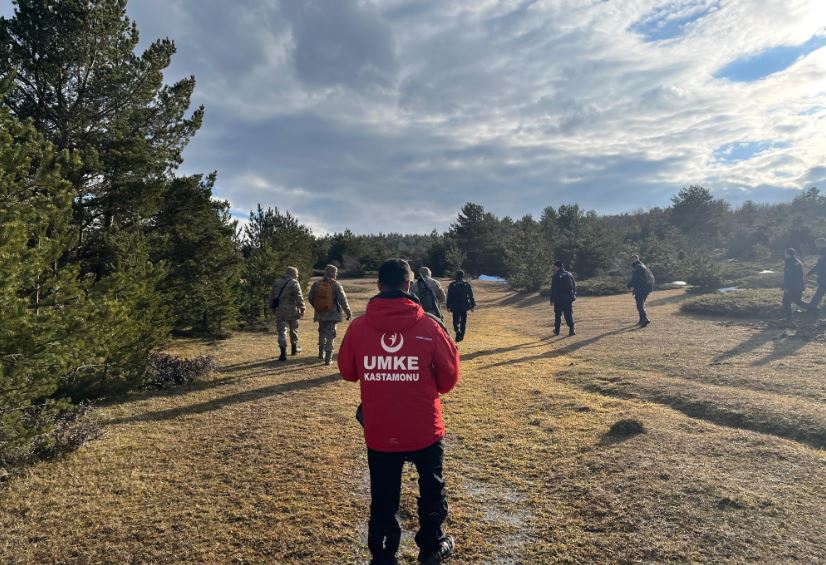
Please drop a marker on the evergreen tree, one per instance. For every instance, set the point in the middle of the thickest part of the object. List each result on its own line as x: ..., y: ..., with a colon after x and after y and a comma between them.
x: 527, y: 257
x: 43, y: 303
x: 196, y: 235
x: 272, y: 241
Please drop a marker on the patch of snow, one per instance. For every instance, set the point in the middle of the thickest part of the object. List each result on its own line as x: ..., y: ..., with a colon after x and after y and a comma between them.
x: 488, y: 278
x: 766, y: 272
x: 727, y: 289
x: 678, y: 283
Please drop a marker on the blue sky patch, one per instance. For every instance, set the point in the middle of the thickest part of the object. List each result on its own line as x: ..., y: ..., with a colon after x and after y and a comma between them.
x: 672, y: 20
x: 744, y: 150
x: 769, y: 61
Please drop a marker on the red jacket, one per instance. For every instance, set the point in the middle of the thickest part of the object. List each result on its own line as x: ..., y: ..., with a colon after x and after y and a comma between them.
x: 404, y: 360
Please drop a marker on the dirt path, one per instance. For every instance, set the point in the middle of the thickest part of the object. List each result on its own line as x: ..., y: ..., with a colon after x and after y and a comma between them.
x: 264, y: 463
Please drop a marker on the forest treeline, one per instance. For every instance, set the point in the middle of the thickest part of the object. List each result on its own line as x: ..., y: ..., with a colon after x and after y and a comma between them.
x: 107, y: 251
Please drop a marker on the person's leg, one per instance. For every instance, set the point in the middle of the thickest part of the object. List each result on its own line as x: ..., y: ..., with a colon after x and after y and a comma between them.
x: 569, y: 316
x: 463, y: 322
x: 384, y: 533
x: 293, y: 324
x: 281, y: 330
x: 557, y: 318
x: 457, y: 317
x: 788, y: 300
x: 815, y: 301
x: 432, y: 501
x: 641, y: 298
x: 330, y: 336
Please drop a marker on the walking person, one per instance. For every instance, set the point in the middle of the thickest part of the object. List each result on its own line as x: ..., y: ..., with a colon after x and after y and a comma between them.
x: 794, y: 283
x: 459, y: 301
x: 329, y: 301
x: 563, y: 295
x: 287, y: 303
x: 403, y: 359
x: 641, y: 285
x: 819, y: 270
x: 429, y: 292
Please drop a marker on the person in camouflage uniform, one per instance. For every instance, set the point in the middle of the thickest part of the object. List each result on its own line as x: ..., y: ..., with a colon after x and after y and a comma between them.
x: 287, y: 303
x: 429, y: 292
x: 328, y: 310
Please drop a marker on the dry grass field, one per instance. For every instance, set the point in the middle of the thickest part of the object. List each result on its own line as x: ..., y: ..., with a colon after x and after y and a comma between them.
x: 264, y: 462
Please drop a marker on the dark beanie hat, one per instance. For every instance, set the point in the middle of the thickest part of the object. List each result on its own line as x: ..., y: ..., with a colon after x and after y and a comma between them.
x: 559, y: 264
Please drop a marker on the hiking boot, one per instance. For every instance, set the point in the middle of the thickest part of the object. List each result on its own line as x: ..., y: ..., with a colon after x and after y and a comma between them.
x: 320, y: 352
x: 328, y: 357
x: 571, y: 332
x: 556, y: 332
x: 644, y: 323
x: 283, y: 356
x: 295, y: 349
x: 441, y: 555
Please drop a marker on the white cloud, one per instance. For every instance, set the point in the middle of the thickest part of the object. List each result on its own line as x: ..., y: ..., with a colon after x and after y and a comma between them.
x: 389, y: 115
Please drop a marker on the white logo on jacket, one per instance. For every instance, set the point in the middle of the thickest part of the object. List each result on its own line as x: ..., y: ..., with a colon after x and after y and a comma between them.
x: 396, y: 342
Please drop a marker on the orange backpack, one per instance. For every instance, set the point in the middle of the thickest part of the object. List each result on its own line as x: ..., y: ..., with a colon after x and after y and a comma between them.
x: 324, y: 297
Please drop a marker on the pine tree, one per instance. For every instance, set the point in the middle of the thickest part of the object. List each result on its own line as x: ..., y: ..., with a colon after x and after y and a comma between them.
x: 43, y: 303
x: 527, y: 257
x: 195, y: 234
x: 271, y: 242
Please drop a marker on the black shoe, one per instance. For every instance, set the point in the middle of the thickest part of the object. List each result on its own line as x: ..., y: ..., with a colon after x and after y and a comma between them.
x: 644, y: 323
x: 571, y: 332
x: 295, y: 349
x: 459, y: 338
x: 328, y: 358
x: 283, y: 356
x: 384, y: 561
x: 441, y: 555
x: 556, y: 332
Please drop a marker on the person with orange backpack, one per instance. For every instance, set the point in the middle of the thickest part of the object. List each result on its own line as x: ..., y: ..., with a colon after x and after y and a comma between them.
x: 329, y: 301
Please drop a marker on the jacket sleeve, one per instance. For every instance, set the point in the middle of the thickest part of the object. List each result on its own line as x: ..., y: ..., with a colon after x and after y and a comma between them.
x: 343, y: 302
x: 573, y: 285
x: 451, y: 296
x: 445, y: 360
x: 470, y: 296
x: 347, y: 358
x: 299, y: 296
x: 273, y: 294
x: 439, y: 291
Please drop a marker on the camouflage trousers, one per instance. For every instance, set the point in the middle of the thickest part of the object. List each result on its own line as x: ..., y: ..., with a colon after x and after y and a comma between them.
x: 326, y: 335
x: 283, y: 325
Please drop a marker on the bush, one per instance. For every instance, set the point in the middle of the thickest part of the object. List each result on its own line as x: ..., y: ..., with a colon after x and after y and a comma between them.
x: 746, y: 303
x: 167, y: 371
x: 602, y: 286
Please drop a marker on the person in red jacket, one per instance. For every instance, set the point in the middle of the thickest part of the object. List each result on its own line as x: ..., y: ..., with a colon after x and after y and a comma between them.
x: 404, y: 359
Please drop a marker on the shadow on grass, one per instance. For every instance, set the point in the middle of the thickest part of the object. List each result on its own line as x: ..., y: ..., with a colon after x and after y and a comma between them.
x: 564, y: 350
x: 756, y: 341
x: 497, y: 351
x: 237, y: 398
x: 665, y: 300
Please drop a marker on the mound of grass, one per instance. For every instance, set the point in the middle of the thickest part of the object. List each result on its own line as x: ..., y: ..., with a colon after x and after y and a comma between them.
x: 745, y: 303
x: 602, y: 286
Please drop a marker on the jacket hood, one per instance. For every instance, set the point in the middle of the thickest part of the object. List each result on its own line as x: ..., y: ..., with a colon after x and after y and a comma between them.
x: 393, y: 311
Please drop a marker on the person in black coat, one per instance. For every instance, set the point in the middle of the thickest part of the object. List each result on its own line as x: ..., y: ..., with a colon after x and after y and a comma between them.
x: 459, y: 301
x: 794, y: 283
x: 820, y: 271
x: 563, y: 295
x: 641, y: 285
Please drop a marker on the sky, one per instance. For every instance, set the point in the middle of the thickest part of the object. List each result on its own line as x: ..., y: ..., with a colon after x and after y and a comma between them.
x: 389, y: 115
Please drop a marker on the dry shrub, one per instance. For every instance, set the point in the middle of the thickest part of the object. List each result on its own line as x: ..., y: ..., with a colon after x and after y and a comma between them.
x: 167, y: 371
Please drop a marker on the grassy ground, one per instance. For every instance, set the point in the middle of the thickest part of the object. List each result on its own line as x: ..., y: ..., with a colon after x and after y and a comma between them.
x: 264, y: 463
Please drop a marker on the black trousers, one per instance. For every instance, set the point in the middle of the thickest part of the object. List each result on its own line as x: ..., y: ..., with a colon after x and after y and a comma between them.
x: 459, y: 322
x: 789, y: 299
x: 640, y: 298
x: 563, y: 309
x: 815, y: 302
x: 384, y: 532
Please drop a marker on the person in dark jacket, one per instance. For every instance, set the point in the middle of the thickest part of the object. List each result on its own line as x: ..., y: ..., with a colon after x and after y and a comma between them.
x: 794, y: 283
x: 404, y: 360
x: 819, y: 271
x: 563, y: 295
x: 641, y: 285
x: 459, y: 301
